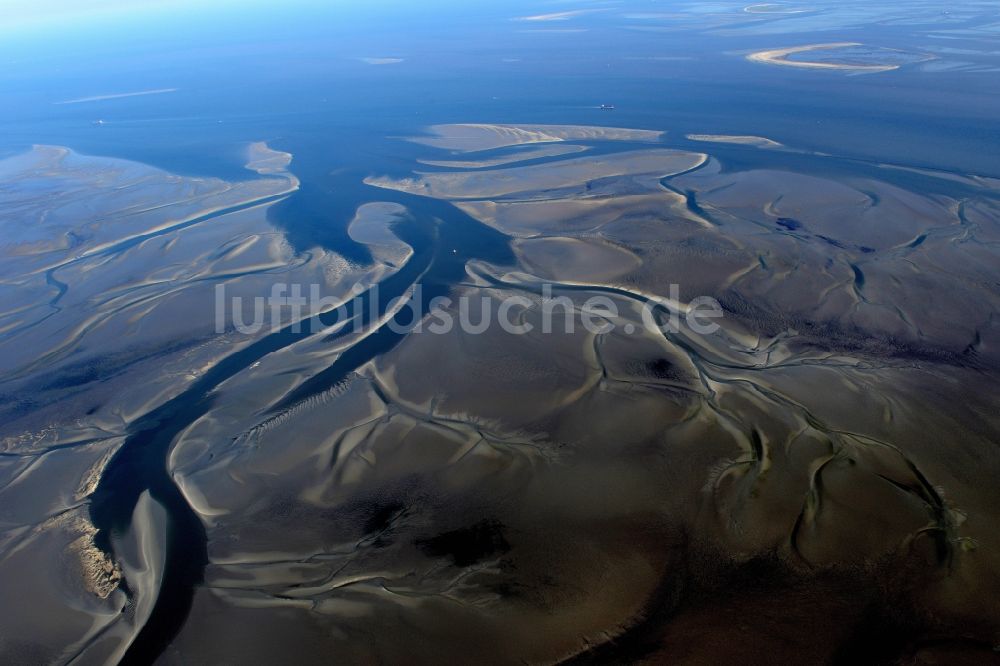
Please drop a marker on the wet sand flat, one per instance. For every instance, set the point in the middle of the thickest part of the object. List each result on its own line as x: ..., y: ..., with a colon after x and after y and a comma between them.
x: 473, y: 137
x: 549, y: 496
x: 796, y: 447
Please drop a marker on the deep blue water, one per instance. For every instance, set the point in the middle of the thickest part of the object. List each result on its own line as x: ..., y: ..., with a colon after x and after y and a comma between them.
x: 288, y: 74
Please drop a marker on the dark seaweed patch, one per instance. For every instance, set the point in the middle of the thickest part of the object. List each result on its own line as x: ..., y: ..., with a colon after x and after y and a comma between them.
x: 382, y: 517
x: 831, y: 241
x: 468, y: 545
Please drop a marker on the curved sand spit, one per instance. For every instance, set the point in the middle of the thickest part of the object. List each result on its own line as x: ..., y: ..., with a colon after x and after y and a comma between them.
x: 780, y: 57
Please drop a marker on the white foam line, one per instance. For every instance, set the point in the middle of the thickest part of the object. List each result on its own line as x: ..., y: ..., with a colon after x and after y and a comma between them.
x: 98, y: 98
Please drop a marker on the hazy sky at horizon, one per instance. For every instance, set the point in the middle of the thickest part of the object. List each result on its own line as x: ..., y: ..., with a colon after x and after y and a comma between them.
x: 30, y: 14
